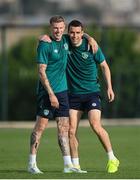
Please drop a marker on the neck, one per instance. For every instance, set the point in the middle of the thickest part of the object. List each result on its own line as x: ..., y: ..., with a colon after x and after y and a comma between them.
x: 78, y: 44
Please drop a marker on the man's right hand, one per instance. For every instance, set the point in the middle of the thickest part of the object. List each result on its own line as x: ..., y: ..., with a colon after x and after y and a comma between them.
x: 93, y: 44
x: 45, y: 38
x: 54, y: 101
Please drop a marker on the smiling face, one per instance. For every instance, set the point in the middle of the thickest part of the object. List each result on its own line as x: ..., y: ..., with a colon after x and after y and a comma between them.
x: 57, y: 29
x: 75, y: 31
x: 75, y: 34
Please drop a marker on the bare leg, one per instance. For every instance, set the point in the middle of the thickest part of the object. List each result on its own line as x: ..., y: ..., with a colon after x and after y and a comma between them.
x: 95, y: 122
x: 63, y: 141
x: 38, y: 130
x: 36, y: 134
x: 63, y: 137
x: 75, y: 116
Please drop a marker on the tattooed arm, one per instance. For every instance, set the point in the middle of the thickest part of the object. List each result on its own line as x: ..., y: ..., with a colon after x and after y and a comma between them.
x: 45, y: 82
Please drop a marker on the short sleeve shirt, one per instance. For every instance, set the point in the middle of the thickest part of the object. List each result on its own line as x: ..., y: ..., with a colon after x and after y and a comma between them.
x: 82, y: 69
x: 54, y: 55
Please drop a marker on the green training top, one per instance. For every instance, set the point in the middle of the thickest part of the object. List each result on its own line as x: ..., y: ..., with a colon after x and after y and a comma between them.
x: 54, y: 55
x: 82, y: 69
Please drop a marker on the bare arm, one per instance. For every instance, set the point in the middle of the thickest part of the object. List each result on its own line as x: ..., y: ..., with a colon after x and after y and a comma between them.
x: 90, y: 39
x: 91, y: 42
x: 107, y: 74
x: 45, y: 82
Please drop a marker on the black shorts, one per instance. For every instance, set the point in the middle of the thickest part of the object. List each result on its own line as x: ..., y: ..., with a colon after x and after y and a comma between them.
x: 45, y: 109
x: 85, y: 102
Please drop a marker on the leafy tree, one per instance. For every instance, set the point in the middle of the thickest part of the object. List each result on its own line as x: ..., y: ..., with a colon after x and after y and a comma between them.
x: 22, y: 80
x: 123, y: 58
x: 122, y: 54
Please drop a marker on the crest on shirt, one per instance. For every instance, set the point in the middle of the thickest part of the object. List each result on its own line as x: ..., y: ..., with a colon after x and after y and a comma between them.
x: 55, y: 51
x: 66, y: 46
x: 84, y: 55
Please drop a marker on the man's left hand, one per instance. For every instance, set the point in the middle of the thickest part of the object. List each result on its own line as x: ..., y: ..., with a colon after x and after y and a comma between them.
x: 110, y: 94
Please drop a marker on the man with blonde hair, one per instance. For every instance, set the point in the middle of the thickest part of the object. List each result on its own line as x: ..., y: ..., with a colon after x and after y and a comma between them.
x: 52, y: 97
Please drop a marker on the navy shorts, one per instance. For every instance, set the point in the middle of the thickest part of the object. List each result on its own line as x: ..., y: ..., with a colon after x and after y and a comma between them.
x: 45, y: 109
x: 85, y: 102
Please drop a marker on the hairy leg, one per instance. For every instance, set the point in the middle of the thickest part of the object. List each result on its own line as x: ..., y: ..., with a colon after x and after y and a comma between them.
x: 63, y: 136
x: 95, y: 122
x: 36, y: 134
x: 75, y: 116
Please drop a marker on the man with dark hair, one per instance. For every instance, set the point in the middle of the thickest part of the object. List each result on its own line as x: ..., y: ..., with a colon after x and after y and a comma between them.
x: 84, y: 91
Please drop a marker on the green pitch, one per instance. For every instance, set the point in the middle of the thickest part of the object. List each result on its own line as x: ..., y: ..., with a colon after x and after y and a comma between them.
x: 14, y: 148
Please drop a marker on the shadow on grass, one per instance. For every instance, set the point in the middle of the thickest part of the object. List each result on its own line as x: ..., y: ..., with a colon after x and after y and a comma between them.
x: 12, y: 171
x: 48, y: 171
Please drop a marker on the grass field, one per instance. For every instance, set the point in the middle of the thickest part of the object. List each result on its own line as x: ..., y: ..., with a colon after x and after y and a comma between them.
x: 14, y: 147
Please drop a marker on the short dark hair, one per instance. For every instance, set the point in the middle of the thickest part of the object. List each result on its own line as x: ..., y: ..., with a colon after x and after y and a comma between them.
x: 56, y: 19
x: 75, y: 23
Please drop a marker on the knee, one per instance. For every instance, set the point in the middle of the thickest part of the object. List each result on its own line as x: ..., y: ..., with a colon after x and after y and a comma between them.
x: 63, y: 127
x: 97, y: 128
x: 37, y: 133
x: 72, y: 133
x: 66, y: 127
x: 40, y: 129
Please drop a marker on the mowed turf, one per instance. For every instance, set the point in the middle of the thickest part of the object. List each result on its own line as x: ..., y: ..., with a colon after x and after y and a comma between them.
x: 14, y: 149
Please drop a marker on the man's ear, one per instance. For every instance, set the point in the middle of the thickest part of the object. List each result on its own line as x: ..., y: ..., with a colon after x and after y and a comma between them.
x: 82, y: 33
x: 64, y: 26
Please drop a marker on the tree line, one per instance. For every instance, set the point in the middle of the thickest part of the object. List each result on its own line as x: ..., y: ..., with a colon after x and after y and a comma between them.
x: 122, y: 52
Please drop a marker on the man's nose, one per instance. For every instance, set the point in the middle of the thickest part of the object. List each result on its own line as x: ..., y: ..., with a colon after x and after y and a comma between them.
x: 74, y: 35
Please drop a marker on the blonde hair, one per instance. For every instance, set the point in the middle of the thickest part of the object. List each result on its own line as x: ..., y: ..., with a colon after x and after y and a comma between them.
x: 56, y: 19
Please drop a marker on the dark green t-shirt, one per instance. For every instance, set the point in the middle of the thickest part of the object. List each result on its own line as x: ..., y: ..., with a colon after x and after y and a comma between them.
x: 54, y: 55
x: 82, y: 69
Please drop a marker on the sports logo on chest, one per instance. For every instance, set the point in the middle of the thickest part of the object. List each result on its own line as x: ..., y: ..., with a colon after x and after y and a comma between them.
x: 55, y: 50
x: 84, y: 55
x: 66, y: 46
